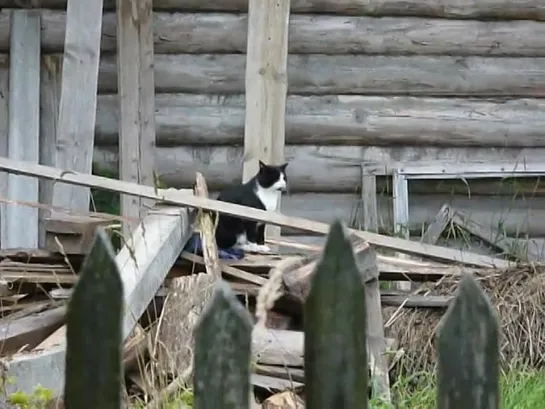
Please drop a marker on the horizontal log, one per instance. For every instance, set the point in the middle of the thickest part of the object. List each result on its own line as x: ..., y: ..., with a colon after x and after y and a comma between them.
x: 514, y: 217
x: 483, y: 9
x: 334, y: 169
x: 176, y: 33
x: 343, y: 120
x: 349, y: 74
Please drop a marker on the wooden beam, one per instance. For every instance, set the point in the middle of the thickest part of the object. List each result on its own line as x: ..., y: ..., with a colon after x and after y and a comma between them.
x: 439, y: 224
x: 266, y: 88
x: 78, y: 101
x: 473, y: 171
x: 369, y: 197
x: 492, y: 236
x: 376, y: 340
x: 143, y: 262
x: 24, y: 127
x: 415, y: 301
x: 50, y: 97
x: 29, y: 331
x: 228, y: 270
x: 179, y: 198
x: 136, y: 90
x: 400, y: 196
x: 4, y: 135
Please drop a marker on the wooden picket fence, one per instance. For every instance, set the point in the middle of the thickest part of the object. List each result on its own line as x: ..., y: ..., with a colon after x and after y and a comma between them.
x: 336, y: 365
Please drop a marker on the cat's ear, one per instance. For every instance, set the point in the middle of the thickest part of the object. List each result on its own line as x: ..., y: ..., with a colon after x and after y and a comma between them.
x: 262, y: 165
x: 284, y: 166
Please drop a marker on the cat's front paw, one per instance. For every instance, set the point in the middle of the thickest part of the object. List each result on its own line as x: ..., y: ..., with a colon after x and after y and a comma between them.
x: 263, y: 248
x: 250, y: 247
x: 256, y: 248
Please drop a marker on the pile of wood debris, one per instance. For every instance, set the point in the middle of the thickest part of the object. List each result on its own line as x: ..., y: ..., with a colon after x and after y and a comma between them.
x: 166, y: 292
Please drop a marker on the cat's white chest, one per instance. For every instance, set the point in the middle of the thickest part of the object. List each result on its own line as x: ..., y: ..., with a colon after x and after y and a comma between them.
x: 269, y: 198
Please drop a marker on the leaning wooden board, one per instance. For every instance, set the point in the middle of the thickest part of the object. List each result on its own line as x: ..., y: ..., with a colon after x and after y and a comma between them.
x: 173, y: 196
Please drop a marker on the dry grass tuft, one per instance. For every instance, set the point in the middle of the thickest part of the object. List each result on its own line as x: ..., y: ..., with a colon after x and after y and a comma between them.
x: 518, y: 294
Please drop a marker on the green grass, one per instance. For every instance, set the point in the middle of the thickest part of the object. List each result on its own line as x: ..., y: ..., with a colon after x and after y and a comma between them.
x: 520, y: 389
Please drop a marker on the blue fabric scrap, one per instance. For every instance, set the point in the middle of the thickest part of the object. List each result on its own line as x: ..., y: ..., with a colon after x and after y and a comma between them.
x: 194, y: 245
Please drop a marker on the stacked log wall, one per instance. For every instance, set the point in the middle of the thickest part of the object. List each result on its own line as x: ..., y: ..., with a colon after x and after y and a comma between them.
x: 400, y: 82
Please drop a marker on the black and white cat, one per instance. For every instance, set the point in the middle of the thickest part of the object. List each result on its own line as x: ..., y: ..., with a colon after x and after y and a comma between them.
x: 260, y: 192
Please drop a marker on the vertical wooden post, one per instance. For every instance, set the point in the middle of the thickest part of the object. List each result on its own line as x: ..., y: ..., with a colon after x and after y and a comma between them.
x: 400, y: 196
x: 4, y: 130
x: 136, y: 84
x: 369, y: 195
x: 78, y: 101
x: 50, y: 95
x: 266, y: 87
x: 24, y: 127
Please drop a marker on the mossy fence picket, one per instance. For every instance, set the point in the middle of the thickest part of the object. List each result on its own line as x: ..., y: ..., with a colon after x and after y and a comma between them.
x: 336, y: 365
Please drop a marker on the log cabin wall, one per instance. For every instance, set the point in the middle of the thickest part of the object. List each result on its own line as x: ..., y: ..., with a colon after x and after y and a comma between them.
x: 390, y: 80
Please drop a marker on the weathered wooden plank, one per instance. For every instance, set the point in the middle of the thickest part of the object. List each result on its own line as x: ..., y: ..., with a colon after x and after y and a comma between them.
x: 298, y: 273
x: 335, y: 169
x: 494, y: 236
x: 77, y: 109
x: 297, y: 276
x: 536, y: 246
x: 4, y: 133
x: 415, y: 301
x: 180, y: 198
x: 400, y: 202
x: 94, y: 346
x: 343, y: 120
x: 75, y: 233
x: 400, y: 207
x: 156, y: 244
x: 368, y: 190
x: 30, y: 330
x: 335, y: 330
x: 342, y: 74
x: 282, y: 372
x: 228, y: 270
x: 437, y: 226
x: 144, y: 262
x: 272, y: 383
x: 470, y: 171
x: 203, y: 33
x: 468, y: 351
x: 266, y: 87
x: 278, y: 347
x: 24, y: 127
x: 206, y: 223
x: 136, y: 100
x: 50, y: 96
x: 222, y: 353
x: 367, y: 264
x: 187, y: 296
x: 491, y: 9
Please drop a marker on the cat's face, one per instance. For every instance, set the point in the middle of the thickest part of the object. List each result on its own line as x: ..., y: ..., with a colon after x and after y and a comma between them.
x: 272, y: 177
